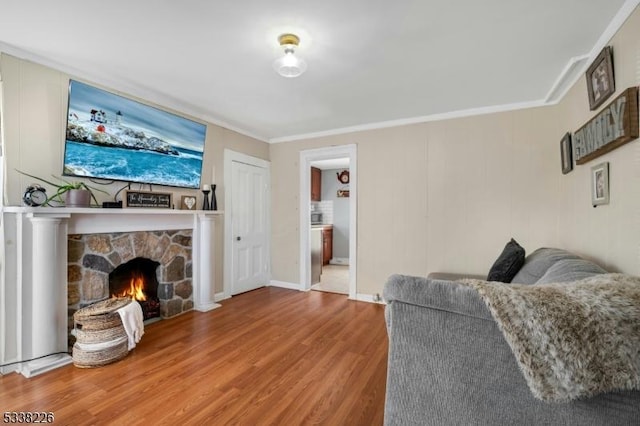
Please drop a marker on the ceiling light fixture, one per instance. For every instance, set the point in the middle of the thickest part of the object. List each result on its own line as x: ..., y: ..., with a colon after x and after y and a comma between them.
x: 289, y: 65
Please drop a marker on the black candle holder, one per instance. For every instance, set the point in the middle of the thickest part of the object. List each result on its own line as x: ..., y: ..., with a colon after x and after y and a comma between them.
x: 205, y: 204
x: 214, y: 202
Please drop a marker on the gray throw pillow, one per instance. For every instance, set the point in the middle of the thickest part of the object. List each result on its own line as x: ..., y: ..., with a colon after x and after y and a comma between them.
x: 568, y: 270
x: 508, y: 263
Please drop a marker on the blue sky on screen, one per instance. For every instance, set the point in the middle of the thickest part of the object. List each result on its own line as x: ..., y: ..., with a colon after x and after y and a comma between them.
x: 178, y: 131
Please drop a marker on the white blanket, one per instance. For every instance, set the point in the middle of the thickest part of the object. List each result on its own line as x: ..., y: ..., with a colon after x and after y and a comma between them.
x: 132, y: 320
x: 100, y: 346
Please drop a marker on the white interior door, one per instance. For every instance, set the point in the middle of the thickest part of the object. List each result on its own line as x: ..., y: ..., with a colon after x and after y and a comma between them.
x: 250, y: 191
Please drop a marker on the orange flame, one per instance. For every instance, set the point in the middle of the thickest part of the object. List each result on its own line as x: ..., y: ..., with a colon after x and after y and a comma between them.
x: 135, y: 290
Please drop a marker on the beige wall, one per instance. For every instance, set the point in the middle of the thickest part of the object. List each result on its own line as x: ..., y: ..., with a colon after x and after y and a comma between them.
x: 34, y: 111
x: 440, y: 196
x: 609, y: 234
x: 447, y: 195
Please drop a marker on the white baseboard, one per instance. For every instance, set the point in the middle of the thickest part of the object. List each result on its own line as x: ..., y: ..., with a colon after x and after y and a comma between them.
x: 283, y: 284
x: 221, y: 296
x: 370, y: 298
x: 206, y: 307
x: 48, y: 363
x: 339, y: 261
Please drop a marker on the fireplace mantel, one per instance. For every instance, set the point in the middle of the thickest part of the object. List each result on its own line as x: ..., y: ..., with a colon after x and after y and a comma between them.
x: 33, y: 286
x: 96, y: 220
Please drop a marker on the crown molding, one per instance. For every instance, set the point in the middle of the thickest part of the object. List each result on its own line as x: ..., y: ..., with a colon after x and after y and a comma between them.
x: 146, y: 95
x: 567, y: 78
x: 575, y: 68
x: 414, y: 120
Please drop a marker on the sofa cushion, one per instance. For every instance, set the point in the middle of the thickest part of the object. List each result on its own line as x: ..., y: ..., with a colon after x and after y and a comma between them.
x: 538, y: 263
x: 567, y: 270
x: 508, y: 263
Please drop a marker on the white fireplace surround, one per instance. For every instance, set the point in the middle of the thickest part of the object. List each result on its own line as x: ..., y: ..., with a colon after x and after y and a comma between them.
x: 33, y: 282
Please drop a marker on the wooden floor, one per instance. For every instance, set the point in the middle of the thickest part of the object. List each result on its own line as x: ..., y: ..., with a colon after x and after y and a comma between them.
x: 270, y: 356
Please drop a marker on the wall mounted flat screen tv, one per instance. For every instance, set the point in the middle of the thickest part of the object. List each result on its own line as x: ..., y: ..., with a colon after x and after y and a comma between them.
x: 111, y: 137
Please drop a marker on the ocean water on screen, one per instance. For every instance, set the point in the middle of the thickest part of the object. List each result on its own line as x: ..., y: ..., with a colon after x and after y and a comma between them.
x: 128, y: 165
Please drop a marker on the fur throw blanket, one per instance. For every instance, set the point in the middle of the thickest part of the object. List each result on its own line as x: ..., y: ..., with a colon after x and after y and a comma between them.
x: 571, y: 340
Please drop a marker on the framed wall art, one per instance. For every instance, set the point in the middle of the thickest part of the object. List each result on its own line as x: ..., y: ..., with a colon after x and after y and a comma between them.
x: 600, y: 184
x: 566, y: 154
x: 600, y: 80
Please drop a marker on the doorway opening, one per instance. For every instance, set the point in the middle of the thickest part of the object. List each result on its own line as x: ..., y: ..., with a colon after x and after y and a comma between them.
x: 328, y: 221
x: 330, y: 193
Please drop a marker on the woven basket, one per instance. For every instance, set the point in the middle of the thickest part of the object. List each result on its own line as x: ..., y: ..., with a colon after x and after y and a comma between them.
x: 100, y: 316
x: 100, y: 336
x: 91, y: 359
x: 100, y: 324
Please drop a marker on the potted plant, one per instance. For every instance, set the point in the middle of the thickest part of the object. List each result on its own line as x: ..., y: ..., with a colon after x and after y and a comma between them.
x: 77, y: 194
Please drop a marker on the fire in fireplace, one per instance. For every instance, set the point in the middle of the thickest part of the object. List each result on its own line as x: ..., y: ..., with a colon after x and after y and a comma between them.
x: 136, y: 288
x: 137, y: 279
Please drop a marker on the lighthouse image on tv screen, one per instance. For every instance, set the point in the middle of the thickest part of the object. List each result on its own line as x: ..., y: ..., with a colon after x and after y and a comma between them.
x: 111, y: 137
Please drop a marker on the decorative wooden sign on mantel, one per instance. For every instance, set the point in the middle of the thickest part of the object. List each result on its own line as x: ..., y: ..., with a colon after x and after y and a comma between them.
x: 614, y: 126
x: 148, y: 199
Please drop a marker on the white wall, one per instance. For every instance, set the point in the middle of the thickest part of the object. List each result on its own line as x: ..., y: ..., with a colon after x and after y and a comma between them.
x: 330, y: 187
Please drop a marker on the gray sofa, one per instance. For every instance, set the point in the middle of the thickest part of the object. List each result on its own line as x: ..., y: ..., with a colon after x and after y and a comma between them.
x: 449, y: 364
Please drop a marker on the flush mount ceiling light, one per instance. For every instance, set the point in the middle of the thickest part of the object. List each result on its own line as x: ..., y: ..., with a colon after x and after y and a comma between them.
x: 289, y: 65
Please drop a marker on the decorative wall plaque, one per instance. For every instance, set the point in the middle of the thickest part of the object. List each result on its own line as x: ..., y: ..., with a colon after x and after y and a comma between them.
x: 614, y: 126
x: 148, y: 199
x: 188, y: 202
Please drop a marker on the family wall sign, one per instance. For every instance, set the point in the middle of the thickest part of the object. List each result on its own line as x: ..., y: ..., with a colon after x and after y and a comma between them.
x: 614, y: 126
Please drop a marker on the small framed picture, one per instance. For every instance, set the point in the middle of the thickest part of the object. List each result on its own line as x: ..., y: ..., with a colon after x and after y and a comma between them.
x: 188, y: 202
x: 566, y: 154
x: 600, y: 80
x: 600, y: 184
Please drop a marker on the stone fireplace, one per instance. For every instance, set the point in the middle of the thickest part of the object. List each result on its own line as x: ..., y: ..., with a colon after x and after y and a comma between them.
x: 96, y: 259
x: 58, y: 260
